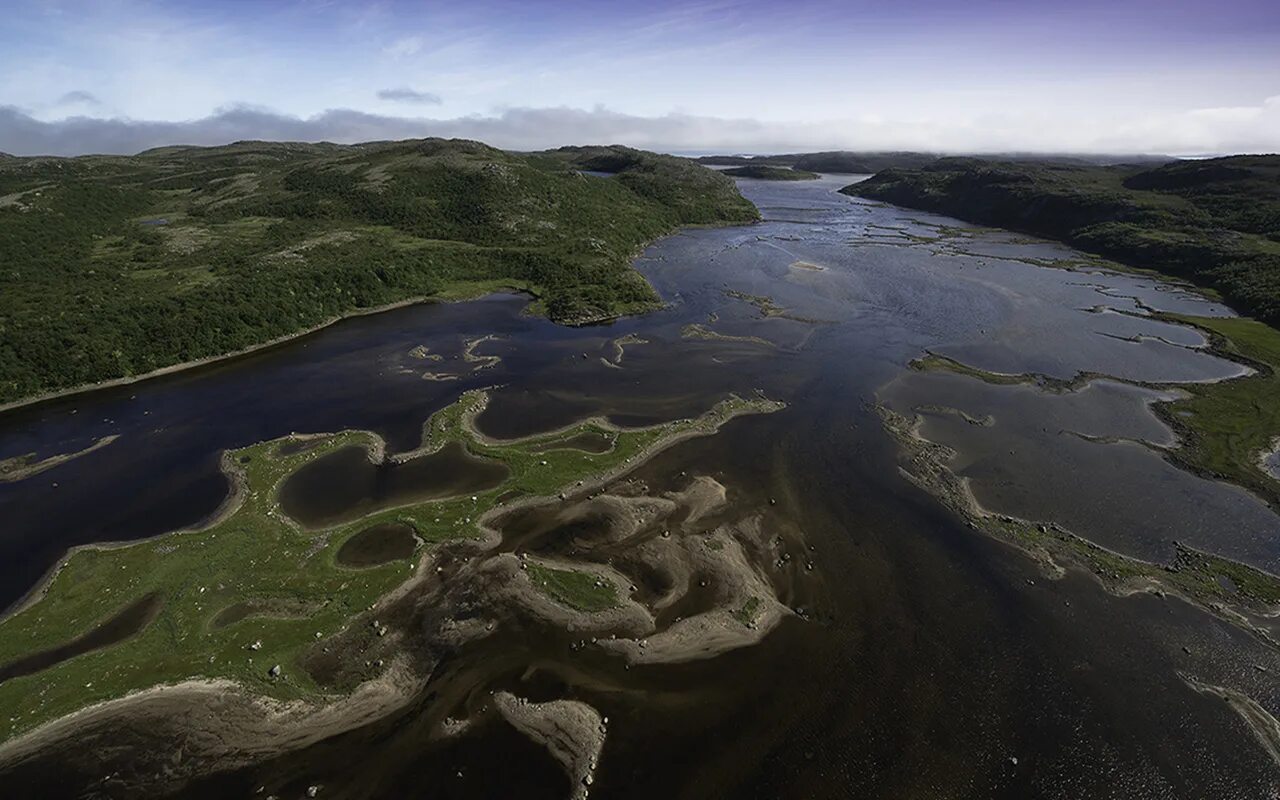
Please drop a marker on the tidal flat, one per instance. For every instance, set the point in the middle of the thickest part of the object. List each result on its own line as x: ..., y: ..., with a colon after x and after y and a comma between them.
x: 781, y: 607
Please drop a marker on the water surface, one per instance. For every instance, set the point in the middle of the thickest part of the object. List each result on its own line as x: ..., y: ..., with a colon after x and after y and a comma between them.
x: 928, y: 660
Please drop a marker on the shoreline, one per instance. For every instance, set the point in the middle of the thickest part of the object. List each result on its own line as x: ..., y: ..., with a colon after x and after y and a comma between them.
x: 441, y: 296
x: 340, y: 710
x: 1191, y: 575
x: 230, y: 504
x: 88, y: 388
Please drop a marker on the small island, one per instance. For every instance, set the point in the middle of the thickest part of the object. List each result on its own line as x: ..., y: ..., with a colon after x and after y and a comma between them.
x: 765, y: 172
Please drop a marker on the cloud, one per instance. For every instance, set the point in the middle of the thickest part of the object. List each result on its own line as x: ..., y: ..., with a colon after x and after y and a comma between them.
x: 407, y: 95
x: 78, y: 96
x: 1188, y: 132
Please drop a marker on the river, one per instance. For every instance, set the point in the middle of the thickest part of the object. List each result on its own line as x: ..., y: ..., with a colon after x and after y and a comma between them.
x: 929, y: 660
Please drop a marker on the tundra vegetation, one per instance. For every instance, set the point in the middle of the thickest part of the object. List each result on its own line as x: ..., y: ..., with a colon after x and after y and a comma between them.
x: 118, y: 266
x: 765, y: 172
x: 246, y: 598
x: 1214, y: 222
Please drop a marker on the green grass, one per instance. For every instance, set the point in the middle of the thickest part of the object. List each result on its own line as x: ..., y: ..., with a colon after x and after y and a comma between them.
x: 932, y: 362
x: 1227, y: 424
x: 257, y: 554
x: 747, y: 613
x: 581, y: 590
x: 1223, y: 426
x: 267, y: 239
x: 767, y: 173
x: 1194, y: 574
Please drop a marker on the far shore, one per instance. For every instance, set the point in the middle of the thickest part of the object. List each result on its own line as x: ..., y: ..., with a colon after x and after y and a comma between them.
x: 279, y: 340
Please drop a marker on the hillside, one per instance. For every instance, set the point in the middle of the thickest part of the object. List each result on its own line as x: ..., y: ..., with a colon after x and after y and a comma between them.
x: 764, y: 172
x: 1215, y: 222
x: 118, y: 266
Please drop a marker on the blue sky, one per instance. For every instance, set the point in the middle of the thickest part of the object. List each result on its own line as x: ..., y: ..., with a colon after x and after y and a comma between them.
x: 980, y: 76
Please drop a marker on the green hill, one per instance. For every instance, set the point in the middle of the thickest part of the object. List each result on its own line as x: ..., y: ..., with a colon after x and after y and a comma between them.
x: 118, y: 266
x: 765, y: 172
x: 1215, y: 222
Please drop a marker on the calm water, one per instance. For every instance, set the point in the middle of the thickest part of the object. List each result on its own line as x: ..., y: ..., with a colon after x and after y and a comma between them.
x: 931, y: 662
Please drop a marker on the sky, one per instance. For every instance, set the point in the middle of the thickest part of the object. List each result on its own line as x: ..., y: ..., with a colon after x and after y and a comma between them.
x: 1182, y: 77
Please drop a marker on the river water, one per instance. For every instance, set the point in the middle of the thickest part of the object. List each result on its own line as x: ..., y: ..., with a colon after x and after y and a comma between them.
x: 930, y: 661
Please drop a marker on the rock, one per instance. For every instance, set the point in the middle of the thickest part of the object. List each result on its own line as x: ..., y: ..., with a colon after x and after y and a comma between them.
x: 274, y: 671
x: 313, y: 790
x: 256, y: 645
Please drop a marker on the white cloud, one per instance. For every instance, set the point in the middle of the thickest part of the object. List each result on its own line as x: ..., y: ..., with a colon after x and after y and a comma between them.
x: 406, y: 95
x: 1197, y: 131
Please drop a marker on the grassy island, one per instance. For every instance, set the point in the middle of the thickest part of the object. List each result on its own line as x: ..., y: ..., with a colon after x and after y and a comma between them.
x: 244, y: 599
x: 115, y: 267
x: 764, y: 172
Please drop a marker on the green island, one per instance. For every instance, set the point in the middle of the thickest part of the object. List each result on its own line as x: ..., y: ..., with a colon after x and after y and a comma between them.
x: 1225, y: 427
x: 1215, y: 222
x: 247, y: 597
x: 764, y: 172
x: 116, y: 267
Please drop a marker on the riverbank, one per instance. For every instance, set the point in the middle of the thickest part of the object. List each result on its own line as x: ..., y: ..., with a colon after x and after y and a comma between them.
x: 314, y: 234
x: 1239, y: 594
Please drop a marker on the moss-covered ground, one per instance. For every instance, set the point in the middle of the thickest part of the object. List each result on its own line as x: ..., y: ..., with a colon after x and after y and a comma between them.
x: 256, y: 556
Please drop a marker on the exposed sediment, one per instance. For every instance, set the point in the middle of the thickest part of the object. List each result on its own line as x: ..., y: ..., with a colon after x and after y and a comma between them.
x: 1253, y: 596
x: 1265, y: 727
x: 21, y: 467
x: 573, y: 733
x: 464, y: 590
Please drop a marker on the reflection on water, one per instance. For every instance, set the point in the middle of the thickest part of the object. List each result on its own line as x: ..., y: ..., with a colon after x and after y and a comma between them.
x: 919, y: 659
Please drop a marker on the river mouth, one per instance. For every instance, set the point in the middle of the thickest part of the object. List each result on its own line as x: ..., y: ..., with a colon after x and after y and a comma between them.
x: 913, y: 652
x: 345, y: 485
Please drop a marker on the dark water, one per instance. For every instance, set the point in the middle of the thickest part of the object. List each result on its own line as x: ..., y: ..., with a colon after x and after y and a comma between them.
x: 346, y: 485
x: 378, y: 544
x: 588, y: 442
x: 929, y: 662
x: 119, y: 627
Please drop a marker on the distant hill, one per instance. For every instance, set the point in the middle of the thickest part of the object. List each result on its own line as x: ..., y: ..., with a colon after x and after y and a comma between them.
x: 117, y: 266
x: 1216, y: 221
x: 766, y: 172
x: 835, y: 161
x: 852, y: 162
x: 738, y: 161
